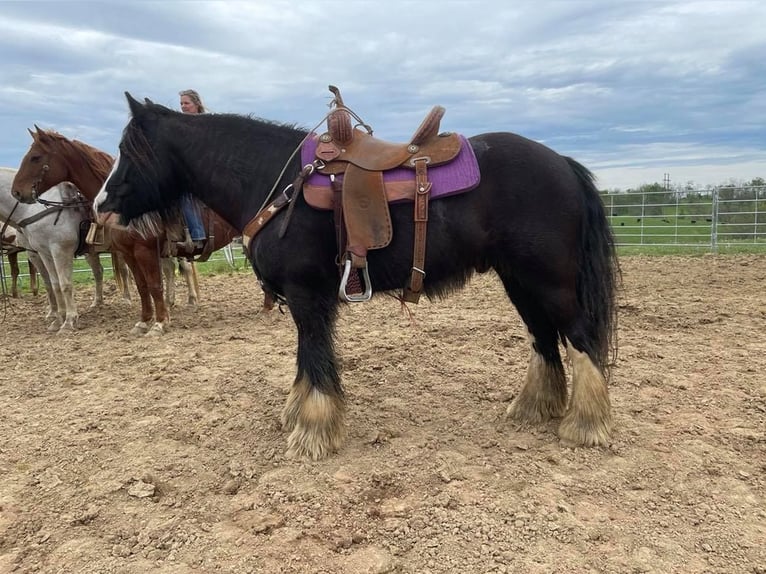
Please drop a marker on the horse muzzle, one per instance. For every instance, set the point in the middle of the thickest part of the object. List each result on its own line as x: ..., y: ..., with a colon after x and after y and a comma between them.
x: 24, y: 198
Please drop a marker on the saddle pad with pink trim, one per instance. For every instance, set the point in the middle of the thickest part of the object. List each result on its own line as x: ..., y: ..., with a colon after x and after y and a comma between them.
x: 459, y: 175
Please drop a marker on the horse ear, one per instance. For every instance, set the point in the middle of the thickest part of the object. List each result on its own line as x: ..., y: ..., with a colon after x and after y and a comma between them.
x: 148, y: 102
x: 135, y: 105
x: 39, y: 134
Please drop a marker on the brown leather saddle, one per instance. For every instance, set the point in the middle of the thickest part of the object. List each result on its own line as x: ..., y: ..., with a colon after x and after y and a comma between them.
x: 363, y: 220
x: 356, y: 163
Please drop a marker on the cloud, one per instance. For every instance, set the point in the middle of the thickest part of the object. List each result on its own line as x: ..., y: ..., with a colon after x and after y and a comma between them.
x: 628, y: 88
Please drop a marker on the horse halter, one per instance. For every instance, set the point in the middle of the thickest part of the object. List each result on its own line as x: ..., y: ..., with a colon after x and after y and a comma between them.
x: 39, y: 180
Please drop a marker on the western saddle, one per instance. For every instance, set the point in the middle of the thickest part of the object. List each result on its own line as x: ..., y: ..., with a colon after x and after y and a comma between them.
x: 355, y: 162
x: 362, y: 216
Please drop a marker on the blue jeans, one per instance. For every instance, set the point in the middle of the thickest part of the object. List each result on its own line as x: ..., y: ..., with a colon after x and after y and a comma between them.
x: 193, y: 218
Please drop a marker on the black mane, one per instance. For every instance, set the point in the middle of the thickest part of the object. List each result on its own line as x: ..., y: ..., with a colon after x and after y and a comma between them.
x: 212, y: 140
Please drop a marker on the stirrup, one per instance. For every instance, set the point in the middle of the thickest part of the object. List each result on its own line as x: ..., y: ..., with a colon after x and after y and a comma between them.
x: 95, y: 235
x: 351, y: 297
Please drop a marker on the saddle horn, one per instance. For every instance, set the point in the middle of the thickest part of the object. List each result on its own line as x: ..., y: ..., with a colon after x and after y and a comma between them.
x: 339, y: 120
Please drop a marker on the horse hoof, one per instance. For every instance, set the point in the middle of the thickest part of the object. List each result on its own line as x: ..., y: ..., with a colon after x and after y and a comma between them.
x: 139, y: 328
x: 54, y: 327
x: 316, y: 424
x: 533, y: 412
x: 305, y: 445
x: 157, y: 330
x: 574, y: 431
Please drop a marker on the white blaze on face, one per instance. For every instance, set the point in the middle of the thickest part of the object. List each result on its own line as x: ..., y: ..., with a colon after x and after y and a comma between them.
x: 102, y: 195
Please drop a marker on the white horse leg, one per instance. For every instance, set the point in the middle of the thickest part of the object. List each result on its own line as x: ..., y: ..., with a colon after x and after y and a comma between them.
x: 169, y: 280
x: 189, y: 272
x: 544, y: 394
x: 42, y: 270
x: 64, y: 260
x: 588, y: 421
x: 58, y: 305
x: 98, y: 274
x: 53, y: 317
x: 122, y: 274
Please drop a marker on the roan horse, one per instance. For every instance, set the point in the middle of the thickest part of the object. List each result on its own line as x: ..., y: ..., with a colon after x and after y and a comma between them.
x: 52, y: 233
x: 51, y: 159
x: 535, y: 218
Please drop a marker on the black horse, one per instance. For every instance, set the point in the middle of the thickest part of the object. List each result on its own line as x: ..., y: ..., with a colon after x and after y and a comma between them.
x: 536, y: 219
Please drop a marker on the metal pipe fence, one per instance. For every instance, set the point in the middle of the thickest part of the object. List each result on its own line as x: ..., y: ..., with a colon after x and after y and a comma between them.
x: 710, y: 220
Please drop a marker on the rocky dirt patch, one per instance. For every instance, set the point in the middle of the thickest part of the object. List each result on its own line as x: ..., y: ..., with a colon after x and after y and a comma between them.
x: 133, y: 455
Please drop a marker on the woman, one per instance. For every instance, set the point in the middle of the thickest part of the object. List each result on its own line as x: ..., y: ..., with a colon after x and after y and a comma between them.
x: 191, y: 103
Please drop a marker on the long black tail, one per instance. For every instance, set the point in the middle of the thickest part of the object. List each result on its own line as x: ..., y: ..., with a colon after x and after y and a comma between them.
x: 599, y: 275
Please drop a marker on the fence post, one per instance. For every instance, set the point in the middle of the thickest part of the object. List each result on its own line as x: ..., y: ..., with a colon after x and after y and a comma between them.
x: 643, y: 215
x: 714, y: 224
x: 755, y: 220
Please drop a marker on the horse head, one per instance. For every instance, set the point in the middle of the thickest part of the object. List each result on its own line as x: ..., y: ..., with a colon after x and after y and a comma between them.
x: 143, y: 183
x: 40, y: 169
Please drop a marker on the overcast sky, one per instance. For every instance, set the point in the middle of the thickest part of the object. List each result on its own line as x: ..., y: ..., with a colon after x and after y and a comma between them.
x: 633, y: 90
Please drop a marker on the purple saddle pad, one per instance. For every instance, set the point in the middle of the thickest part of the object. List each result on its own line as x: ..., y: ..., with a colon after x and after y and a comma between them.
x: 459, y: 175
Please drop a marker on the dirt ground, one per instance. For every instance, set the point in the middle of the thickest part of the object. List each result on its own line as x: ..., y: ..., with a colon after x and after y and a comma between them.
x: 133, y: 455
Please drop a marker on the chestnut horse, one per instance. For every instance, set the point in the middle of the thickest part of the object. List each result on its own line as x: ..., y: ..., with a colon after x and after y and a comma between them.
x: 52, y: 158
x: 535, y: 219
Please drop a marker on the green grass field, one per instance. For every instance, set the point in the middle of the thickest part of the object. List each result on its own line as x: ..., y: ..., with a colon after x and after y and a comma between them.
x: 686, y: 233
x: 661, y: 230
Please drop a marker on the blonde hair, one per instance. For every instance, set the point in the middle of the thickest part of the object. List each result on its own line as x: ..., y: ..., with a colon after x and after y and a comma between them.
x: 195, y: 98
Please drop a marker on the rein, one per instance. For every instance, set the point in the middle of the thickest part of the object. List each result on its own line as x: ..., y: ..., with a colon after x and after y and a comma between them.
x: 52, y: 207
x: 67, y: 203
x: 57, y: 207
x: 7, y: 221
x: 40, y: 214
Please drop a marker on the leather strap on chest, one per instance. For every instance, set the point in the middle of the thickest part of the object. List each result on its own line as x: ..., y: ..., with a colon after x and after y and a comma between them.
x: 265, y: 215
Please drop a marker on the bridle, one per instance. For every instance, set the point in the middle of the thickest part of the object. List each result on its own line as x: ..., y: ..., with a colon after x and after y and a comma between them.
x: 80, y: 201
x: 39, y: 180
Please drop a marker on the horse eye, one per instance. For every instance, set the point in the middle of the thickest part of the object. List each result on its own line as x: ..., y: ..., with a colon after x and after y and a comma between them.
x: 36, y: 158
